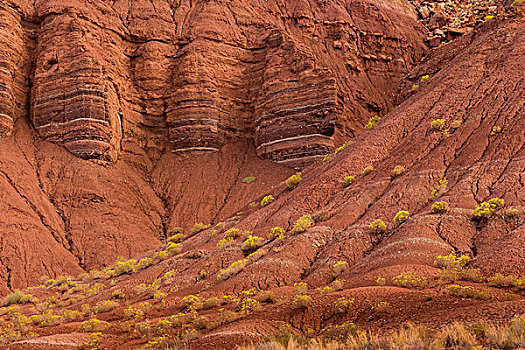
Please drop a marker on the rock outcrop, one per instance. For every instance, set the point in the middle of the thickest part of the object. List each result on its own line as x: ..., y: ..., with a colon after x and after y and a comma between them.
x: 163, y: 108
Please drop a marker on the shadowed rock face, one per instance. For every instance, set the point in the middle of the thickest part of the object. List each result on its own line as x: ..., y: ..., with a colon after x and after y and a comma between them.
x: 295, y: 77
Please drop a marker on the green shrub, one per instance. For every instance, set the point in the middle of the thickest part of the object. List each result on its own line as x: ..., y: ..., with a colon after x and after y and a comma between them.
x: 401, y: 217
x: 372, y: 122
x: 486, y: 209
x: 439, y: 207
x: 303, y: 223
x: 293, y: 181
x: 348, y: 180
x: 248, y: 180
x: 267, y: 200
x: 378, y: 226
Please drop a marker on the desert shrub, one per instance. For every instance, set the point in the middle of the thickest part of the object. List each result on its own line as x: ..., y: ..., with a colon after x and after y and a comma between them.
x: 340, y: 333
x: 176, y: 238
x: 372, y: 122
x: 91, y: 325
x: 339, y: 149
x: 456, y: 124
x: 303, y: 223
x: 174, y: 248
x: 425, y: 78
x: 340, y: 267
x: 252, y: 243
x: 198, y: 227
x: 232, y: 233
x: 486, y: 209
x: 104, y: 306
x: 367, y: 170
x: 17, y: 297
x: 233, y: 269
x: 501, y: 281
x: 326, y: 157
x: 347, y: 181
x: 381, y: 281
x: 160, y: 255
x: 401, y: 217
x: 438, y: 191
x: 248, y: 180
x: 177, y: 231
x: 300, y: 287
x: 266, y: 297
x: 301, y: 301
x: 143, y: 263
x: 202, y: 322
x: 276, y: 233
x: 321, y: 215
x: 267, y: 200
x: 293, y: 181
x: 414, y: 87
x: 438, y: 124
x: 439, y: 207
x: 210, y: 303
x: 382, y: 307
x: 398, y: 171
x: 467, y: 292
x: 452, y: 261
x: 378, y: 226
x: 192, y: 303
x: 343, y: 305
x: 409, y: 280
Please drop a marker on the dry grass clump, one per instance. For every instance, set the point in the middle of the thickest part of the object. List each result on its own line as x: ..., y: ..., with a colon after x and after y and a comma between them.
x: 456, y: 336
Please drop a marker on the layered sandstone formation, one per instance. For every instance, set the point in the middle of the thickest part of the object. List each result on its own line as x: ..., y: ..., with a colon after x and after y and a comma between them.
x: 120, y: 120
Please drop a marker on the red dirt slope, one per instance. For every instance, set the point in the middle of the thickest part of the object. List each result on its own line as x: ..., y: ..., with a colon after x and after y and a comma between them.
x: 475, y: 84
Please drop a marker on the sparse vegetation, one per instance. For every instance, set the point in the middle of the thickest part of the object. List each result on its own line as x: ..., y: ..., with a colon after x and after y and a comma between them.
x: 367, y: 170
x: 347, y: 181
x: 401, y: 217
x: 276, y: 233
x: 372, y: 122
x: 495, y: 130
x: 303, y: 223
x: 267, y: 200
x: 439, y: 207
x: 438, y: 191
x: 252, y: 243
x: 438, y: 124
x: 398, y: 171
x: 293, y: 181
x: 378, y: 226
x: 467, y: 292
x: 248, y: 180
x: 486, y: 209
x: 409, y: 280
